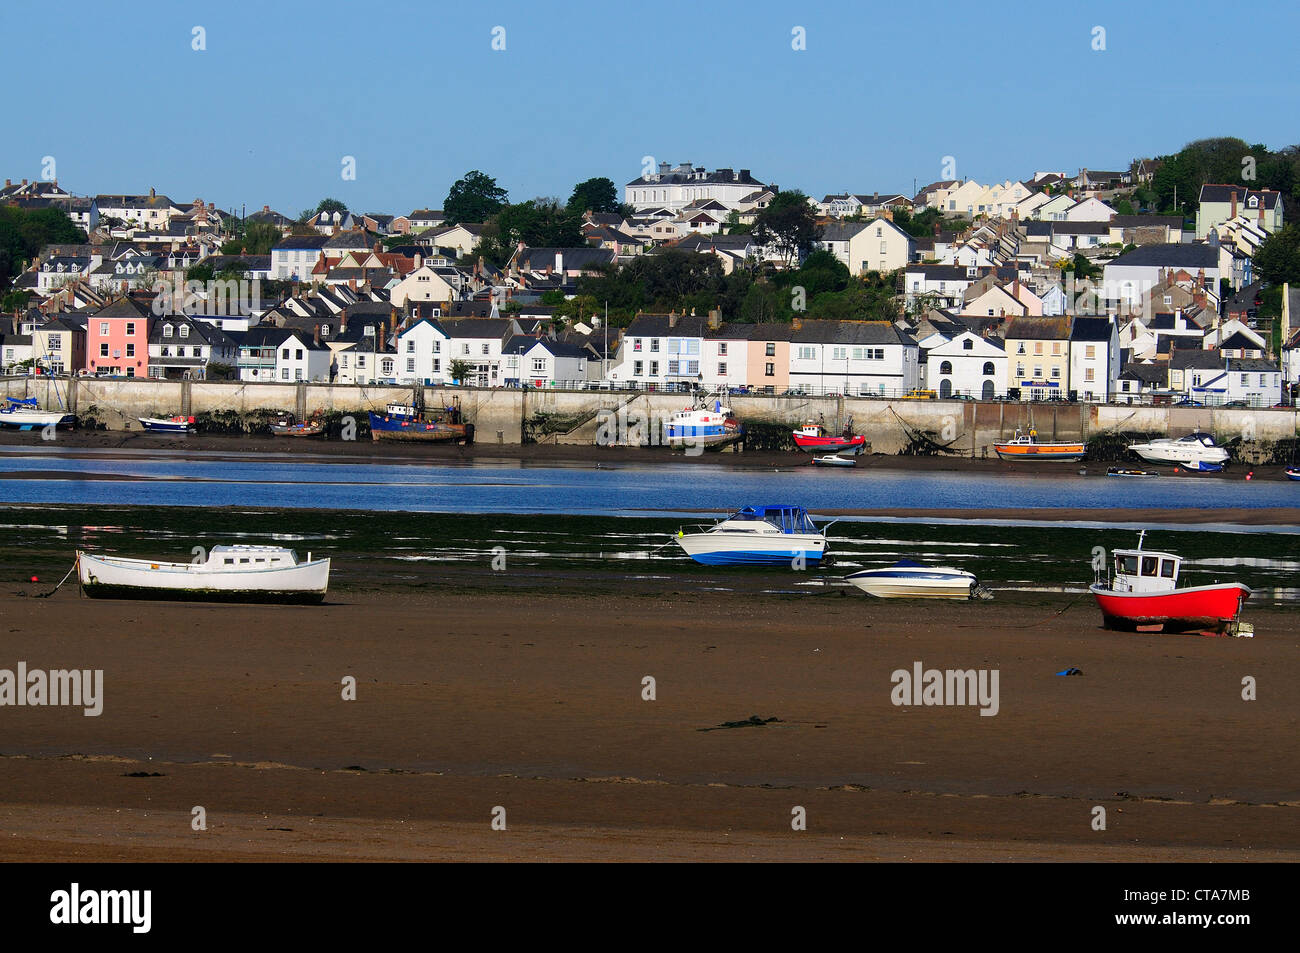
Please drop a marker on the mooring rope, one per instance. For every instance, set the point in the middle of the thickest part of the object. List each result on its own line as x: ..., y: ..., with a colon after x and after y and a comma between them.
x: 46, y: 595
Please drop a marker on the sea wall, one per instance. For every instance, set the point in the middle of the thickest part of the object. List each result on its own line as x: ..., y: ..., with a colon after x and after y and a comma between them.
x: 508, y: 416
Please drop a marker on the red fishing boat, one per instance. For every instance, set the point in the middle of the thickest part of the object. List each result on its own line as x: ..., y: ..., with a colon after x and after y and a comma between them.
x: 812, y: 436
x: 1144, y: 596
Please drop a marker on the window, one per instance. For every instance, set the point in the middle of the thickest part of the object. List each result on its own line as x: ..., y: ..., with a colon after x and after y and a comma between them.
x: 1038, y: 347
x: 1020, y: 347
x: 1088, y: 374
x: 945, y: 367
x: 672, y: 368
x: 1245, y: 378
x: 410, y: 346
x: 464, y: 349
x: 284, y: 354
x: 297, y: 373
x: 361, y: 361
x: 637, y: 367
x: 284, y: 373
x: 487, y: 349
x: 770, y: 370
x: 967, y: 345
x: 103, y: 350
x: 654, y: 344
x: 988, y: 368
x: 807, y: 353
x: 884, y: 248
x: 1056, y: 372
x: 437, y: 346
x: 103, y: 329
x: 1167, y: 568
x: 1169, y: 299
x: 722, y: 370
x: 839, y: 354
x: 1020, y: 371
x: 654, y: 368
x: 1056, y: 347
x: 1090, y: 351
x: 130, y: 328
x: 770, y: 350
x: 674, y: 345
x: 130, y: 351
x: 410, y: 365
x: 722, y: 349
x: 387, y: 367
x: 1038, y: 370
x: 324, y: 330
x: 167, y: 330
x: 185, y: 330
x: 539, y: 365
x: 437, y: 365
x: 636, y: 344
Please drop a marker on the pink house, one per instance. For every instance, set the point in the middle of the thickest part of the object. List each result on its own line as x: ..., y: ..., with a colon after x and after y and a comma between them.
x: 117, y: 339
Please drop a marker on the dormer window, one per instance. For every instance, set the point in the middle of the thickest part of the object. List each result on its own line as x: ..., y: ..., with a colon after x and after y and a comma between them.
x: 185, y: 330
x: 167, y: 330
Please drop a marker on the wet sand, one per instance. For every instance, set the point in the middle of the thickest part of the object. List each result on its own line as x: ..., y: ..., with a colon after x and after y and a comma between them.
x: 534, y: 703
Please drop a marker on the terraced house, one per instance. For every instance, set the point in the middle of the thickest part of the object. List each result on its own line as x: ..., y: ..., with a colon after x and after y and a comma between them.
x: 1038, y: 357
x: 117, y: 339
x: 854, y: 358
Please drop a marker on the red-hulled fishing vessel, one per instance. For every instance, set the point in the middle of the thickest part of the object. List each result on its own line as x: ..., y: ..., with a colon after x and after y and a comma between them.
x: 812, y: 436
x: 1144, y: 596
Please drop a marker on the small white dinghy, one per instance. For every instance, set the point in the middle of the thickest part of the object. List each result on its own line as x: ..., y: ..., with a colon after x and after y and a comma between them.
x: 911, y: 580
x: 229, y: 574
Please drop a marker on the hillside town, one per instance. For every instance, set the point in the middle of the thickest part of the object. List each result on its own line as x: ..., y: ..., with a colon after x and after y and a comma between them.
x: 1052, y: 287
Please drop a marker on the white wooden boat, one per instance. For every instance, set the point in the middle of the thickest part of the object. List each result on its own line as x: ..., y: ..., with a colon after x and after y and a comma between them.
x: 176, y: 424
x: 25, y: 414
x: 834, y: 460
x: 229, y: 574
x: 911, y: 580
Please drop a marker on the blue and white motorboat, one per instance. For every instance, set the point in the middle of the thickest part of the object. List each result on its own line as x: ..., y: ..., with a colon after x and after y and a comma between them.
x: 907, y: 579
x: 1195, y: 451
x: 773, y: 535
x: 702, y: 427
x: 176, y: 424
x: 25, y: 414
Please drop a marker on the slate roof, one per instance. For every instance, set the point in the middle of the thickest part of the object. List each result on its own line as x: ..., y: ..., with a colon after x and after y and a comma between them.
x: 850, y: 332
x: 1238, y: 364
x: 1039, y: 329
x: 1194, y: 358
x: 698, y: 177
x: 575, y: 258
x: 1211, y: 192
x: 1154, y: 374
x: 657, y: 326
x: 302, y: 241
x: 1171, y: 255
x: 1090, y: 329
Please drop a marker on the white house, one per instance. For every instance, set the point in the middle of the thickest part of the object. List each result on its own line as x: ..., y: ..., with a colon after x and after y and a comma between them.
x: 946, y: 283
x: 1129, y: 276
x: 1089, y: 210
x: 478, y: 342
x: 659, y: 349
x: 422, y: 353
x: 294, y: 257
x: 1094, y: 358
x: 269, y: 354
x: 427, y: 283
x: 543, y: 362
x: 967, y: 364
x: 151, y: 211
x: 857, y: 358
x: 675, y: 187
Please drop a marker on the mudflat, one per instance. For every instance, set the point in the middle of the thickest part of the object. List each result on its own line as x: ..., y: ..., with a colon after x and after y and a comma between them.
x: 536, y: 703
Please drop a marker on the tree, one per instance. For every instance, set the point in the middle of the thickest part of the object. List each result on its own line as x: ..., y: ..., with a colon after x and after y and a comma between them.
x: 594, y: 195
x: 788, y: 224
x: 258, y: 239
x: 1277, y: 259
x: 474, y: 198
x: 459, y: 370
x: 735, y: 226
x: 331, y: 206
x: 24, y: 232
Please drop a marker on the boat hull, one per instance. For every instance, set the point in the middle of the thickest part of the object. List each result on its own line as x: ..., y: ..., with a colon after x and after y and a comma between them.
x: 834, y: 444
x: 383, y: 427
x: 913, y: 584
x: 119, y: 578
x: 834, y: 460
x: 1292, y: 474
x: 1041, y: 452
x: 721, y: 549
x: 681, y: 436
x: 165, y: 426
x: 32, y: 419
x: 1197, y: 608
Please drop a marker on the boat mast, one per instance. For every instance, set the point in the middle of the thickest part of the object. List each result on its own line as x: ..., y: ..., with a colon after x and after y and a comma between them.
x: 1141, y: 536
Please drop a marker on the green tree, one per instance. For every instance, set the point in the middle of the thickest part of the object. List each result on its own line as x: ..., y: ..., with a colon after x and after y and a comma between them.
x: 594, y: 195
x: 459, y: 370
x: 735, y: 226
x: 788, y: 224
x: 1124, y: 208
x: 474, y: 198
x: 1277, y: 259
x: 24, y: 232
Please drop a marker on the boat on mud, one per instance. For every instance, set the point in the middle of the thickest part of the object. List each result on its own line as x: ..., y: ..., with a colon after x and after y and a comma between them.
x: 228, y: 574
x: 834, y: 460
x: 178, y: 423
x: 772, y: 535
x: 1027, y: 446
x: 813, y: 437
x: 1195, y: 451
x: 703, y: 428
x: 1130, y: 472
x: 288, y: 427
x: 24, y: 413
x: 404, y: 422
x: 1143, y: 595
x: 907, y: 579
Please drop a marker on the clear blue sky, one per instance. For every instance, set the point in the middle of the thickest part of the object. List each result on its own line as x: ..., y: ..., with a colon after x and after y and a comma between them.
x: 415, y: 92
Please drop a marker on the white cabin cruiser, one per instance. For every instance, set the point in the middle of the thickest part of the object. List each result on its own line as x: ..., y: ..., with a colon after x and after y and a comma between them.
x: 758, y: 536
x: 228, y: 574
x: 1196, y: 451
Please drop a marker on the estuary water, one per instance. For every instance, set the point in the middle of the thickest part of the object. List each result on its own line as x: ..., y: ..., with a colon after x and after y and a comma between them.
x: 172, y: 478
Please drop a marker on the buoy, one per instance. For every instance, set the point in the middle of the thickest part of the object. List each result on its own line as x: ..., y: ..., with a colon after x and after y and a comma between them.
x: 1250, y: 474
x: 34, y: 579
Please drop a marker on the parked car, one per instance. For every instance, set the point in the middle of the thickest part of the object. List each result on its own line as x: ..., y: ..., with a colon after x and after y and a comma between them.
x: 917, y: 393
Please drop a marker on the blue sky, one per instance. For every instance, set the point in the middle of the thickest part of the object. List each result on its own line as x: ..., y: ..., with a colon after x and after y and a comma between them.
x: 416, y: 93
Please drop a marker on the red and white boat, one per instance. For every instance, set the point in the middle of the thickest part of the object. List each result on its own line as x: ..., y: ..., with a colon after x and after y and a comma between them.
x: 1144, y: 596
x: 813, y: 436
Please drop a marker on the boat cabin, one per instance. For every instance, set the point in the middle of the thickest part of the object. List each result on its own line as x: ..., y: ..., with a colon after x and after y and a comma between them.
x: 400, y: 410
x: 768, y: 519
x: 249, y: 558
x: 1142, y: 570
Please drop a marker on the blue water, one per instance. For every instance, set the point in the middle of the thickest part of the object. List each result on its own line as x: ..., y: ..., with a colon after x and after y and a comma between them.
x: 265, y: 480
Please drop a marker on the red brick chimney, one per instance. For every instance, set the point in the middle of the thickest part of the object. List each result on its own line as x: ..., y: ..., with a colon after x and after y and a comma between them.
x: 316, y: 334
x: 343, y: 320
x: 1234, y: 204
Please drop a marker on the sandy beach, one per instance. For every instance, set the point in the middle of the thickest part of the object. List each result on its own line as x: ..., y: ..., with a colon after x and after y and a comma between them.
x: 534, y: 704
